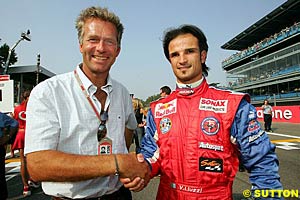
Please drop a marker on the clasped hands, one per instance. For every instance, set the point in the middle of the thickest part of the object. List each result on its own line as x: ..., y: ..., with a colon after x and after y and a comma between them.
x: 137, y: 174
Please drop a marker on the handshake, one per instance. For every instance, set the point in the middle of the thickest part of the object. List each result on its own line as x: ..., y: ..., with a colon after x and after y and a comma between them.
x: 134, y: 171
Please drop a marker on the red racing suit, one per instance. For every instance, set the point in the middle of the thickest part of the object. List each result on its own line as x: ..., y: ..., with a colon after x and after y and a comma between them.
x: 194, y: 138
x: 196, y: 159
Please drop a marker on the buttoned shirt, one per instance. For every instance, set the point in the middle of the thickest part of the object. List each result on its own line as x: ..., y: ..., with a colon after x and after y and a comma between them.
x: 59, y: 117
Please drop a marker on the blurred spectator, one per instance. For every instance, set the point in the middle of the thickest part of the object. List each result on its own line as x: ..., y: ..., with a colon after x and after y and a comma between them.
x: 165, y: 91
x: 20, y: 116
x: 8, y: 130
x: 140, y: 113
x: 267, y: 110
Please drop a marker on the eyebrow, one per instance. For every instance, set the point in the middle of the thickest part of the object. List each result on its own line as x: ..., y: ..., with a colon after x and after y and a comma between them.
x: 188, y: 49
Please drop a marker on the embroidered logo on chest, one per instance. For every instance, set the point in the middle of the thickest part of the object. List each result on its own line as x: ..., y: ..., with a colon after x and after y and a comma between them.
x: 210, y: 126
x: 165, y: 125
x: 217, y: 106
x: 164, y: 109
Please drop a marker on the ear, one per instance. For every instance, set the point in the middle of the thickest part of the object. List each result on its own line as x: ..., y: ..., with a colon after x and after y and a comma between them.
x: 118, y: 51
x: 80, y: 48
x: 203, y: 56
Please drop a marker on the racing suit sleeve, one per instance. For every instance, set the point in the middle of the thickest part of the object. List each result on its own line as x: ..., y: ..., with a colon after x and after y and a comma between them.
x: 149, y: 147
x: 257, y: 152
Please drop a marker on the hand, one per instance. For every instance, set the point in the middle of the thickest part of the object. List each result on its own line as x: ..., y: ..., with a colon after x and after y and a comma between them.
x: 141, y: 125
x: 138, y: 183
x: 131, y: 167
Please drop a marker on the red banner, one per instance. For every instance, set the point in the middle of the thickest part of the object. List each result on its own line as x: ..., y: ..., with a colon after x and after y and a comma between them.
x: 4, y: 77
x: 290, y: 114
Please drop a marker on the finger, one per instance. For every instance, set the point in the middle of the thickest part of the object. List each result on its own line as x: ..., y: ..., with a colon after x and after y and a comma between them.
x: 140, y: 157
x: 133, y: 183
x: 125, y: 180
x: 139, y: 186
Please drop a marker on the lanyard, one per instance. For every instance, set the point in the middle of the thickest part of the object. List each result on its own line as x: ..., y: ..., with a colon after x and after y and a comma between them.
x: 87, y: 95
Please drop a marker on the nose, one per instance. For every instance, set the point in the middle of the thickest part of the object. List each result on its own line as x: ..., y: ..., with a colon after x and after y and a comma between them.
x: 182, y: 58
x: 100, y: 46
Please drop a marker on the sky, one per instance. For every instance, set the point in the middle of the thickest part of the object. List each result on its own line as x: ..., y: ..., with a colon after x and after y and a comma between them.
x: 141, y: 65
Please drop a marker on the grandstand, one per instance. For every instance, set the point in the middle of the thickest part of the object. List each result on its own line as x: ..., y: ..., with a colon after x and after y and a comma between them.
x: 267, y: 60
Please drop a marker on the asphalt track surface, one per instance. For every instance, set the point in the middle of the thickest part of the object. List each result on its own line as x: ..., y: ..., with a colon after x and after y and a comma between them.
x: 285, y: 136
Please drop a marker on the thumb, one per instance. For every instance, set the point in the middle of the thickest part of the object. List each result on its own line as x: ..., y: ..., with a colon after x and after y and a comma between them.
x: 125, y: 180
x: 140, y: 157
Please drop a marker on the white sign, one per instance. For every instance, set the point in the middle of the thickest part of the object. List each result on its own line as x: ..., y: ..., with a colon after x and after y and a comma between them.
x: 7, y: 96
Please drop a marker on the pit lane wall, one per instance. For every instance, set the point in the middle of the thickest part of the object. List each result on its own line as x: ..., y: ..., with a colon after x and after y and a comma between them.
x: 289, y: 114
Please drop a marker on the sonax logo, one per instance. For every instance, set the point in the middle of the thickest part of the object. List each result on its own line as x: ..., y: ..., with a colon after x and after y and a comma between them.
x: 217, y: 106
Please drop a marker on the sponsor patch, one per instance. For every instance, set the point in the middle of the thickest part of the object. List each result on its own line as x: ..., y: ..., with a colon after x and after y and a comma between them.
x: 252, y: 138
x: 164, y: 109
x: 206, y: 145
x: 253, y: 126
x: 186, y: 92
x: 217, y: 106
x: 251, y: 115
x: 186, y: 188
x: 165, y: 125
x: 211, y: 164
x: 210, y: 126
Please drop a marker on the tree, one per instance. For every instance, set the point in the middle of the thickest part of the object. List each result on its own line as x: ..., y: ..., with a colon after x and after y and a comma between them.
x: 3, y: 56
x: 150, y: 99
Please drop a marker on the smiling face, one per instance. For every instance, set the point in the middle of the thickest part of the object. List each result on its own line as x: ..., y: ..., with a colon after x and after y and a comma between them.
x: 99, y: 47
x: 186, y: 58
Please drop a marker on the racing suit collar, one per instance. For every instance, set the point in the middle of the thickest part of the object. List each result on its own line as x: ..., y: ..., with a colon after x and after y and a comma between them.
x: 191, y: 85
x: 189, y: 89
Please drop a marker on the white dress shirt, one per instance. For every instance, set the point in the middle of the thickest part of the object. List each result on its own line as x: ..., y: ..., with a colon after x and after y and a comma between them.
x: 59, y: 117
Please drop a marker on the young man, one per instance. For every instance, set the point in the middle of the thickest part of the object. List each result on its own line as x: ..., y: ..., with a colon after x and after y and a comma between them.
x: 195, y: 135
x: 80, y: 124
x: 165, y: 91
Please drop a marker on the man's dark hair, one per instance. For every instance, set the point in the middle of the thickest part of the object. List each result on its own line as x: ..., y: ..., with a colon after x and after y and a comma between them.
x: 170, y: 34
x: 166, y: 89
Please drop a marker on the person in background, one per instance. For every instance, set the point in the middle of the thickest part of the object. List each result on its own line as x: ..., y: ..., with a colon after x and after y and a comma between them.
x: 165, y: 91
x: 267, y: 110
x: 81, y: 123
x: 200, y: 131
x: 12, y: 140
x: 139, y: 112
x: 20, y: 116
x: 8, y: 130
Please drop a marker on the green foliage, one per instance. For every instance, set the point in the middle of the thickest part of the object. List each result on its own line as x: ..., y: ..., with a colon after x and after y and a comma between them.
x: 150, y: 99
x: 4, y: 53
